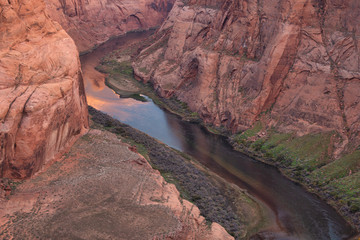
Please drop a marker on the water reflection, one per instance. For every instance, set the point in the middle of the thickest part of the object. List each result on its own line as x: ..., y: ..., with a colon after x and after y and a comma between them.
x: 145, y: 116
x: 301, y: 214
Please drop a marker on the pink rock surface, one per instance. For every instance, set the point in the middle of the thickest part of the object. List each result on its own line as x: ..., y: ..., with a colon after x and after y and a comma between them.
x: 42, y: 105
x: 93, y: 22
x: 103, y: 190
x: 293, y: 64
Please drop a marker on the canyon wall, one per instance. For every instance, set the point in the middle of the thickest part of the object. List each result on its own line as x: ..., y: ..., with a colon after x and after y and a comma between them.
x: 293, y: 65
x: 43, y: 107
x: 93, y: 22
x: 103, y: 191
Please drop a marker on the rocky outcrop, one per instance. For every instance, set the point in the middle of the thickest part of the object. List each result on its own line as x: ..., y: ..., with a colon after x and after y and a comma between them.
x: 102, y: 189
x: 294, y: 65
x: 93, y: 22
x: 42, y: 105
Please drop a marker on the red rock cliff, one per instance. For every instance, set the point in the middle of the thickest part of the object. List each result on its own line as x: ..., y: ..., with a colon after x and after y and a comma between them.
x: 42, y: 105
x: 293, y: 64
x: 93, y: 22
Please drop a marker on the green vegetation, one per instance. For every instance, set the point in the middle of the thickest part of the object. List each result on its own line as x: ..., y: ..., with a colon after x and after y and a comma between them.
x: 341, y: 180
x: 307, y: 152
x: 242, y: 137
x: 338, y: 169
x: 122, y: 73
x: 196, y: 183
x: 308, y: 159
x: 113, y: 67
x: 170, y: 178
x: 347, y: 191
x: 141, y: 149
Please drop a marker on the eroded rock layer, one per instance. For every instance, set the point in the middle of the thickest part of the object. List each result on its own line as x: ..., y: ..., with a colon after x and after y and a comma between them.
x: 292, y: 64
x: 42, y: 105
x: 93, y: 22
x: 102, y: 190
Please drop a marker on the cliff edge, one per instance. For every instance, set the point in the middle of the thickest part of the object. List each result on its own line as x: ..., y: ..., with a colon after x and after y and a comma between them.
x: 102, y: 190
x: 43, y: 107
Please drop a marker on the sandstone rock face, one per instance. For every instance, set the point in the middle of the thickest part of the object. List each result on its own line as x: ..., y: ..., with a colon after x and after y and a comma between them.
x: 292, y: 64
x: 93, y: 22
x: 42, y: 105
x: 102, y: 190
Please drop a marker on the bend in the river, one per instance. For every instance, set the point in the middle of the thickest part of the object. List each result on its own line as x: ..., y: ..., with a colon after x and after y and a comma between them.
x: 302, y: 214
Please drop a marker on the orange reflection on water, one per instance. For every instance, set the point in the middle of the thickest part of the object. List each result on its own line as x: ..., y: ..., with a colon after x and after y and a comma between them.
x: 95, y: 79
x: 123, y: 108
x: 96, y: 102
x: 101, y: 100
x: 108, y: 107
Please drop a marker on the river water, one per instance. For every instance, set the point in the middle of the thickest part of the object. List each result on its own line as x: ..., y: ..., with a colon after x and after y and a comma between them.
x: 300, y: 214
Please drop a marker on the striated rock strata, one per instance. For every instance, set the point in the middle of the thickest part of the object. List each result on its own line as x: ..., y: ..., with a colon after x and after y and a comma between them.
x: 42, y: 101
x: 102, y: 190
x: 294, y: 65
x: 93, y: 22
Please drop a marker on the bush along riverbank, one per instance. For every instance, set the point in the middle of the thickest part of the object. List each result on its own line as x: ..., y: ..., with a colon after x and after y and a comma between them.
x: 219, y: 201
x: 307, y: 160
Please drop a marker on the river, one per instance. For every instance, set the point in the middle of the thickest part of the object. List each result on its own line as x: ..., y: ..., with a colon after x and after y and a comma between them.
x: 301, y: 214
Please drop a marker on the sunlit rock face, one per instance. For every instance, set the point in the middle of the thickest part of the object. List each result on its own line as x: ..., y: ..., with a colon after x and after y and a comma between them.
x: 93, y: 22
x: 291, y: 64
x: 42, y: 101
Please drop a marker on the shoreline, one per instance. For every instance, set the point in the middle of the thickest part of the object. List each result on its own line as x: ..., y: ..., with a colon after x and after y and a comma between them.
x: 258, y: 156
x: 191, y: 177
x: 99, y: 185
x: 111, y: 69
x: 317, y: 191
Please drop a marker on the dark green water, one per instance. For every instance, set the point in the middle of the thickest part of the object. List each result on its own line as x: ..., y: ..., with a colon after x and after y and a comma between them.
x: 300, y: 214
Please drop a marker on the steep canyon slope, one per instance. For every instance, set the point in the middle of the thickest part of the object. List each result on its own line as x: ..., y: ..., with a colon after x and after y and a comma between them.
x: 101, y: 183
x: 93, y: 22
x: 42, y: 106
x: 294, y: 65
x: 102, y: 190
x: 283, y: 76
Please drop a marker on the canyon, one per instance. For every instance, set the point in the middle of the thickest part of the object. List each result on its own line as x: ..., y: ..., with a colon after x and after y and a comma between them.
x: 91, y: 23
x: 102, y: 190
x: 54, y: 184
x: 293, y: 65
x: 280, y: 78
